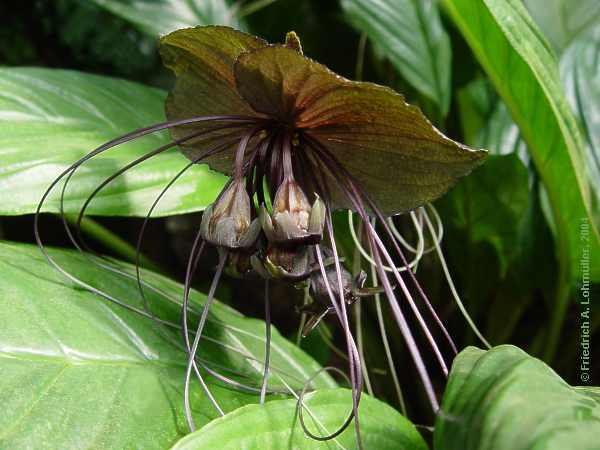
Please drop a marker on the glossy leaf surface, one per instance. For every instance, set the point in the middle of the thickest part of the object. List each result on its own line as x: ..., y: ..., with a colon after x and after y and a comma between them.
x: 51, y: 118
x: 563, y: 21
x: 411, y: 35
x: 504, y: 399
x: 78, y: 372
x: 159, y: 17
x: 276, y: 426
x: 580, y: 72
x: 524, y: 71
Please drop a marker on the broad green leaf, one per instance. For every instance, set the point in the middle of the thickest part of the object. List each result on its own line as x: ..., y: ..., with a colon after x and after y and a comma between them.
x: 51, y: 118
x: 79, y: 372
x: 564, y: 20
x: 490, y: 203
x: 158, y: 17
x: 275, y: 426
x: 580, y: 72
x: 504, y: 399
x: 522, y: 68
x: 411, y: 34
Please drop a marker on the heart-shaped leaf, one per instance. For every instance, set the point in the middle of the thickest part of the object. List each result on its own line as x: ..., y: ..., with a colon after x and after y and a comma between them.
x: 412, y: 36
x: 159, y: 17
x: 51, y: 118
x: 275, y: 426
x: 79, y: 372
x: 504, y: 399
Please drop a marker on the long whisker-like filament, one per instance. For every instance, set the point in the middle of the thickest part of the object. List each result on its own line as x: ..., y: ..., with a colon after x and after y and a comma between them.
x: 353, y: 196
x: 356, y: 261
x: 455, y: 295
x: 351, y: 185
x: 412, y: 265
x: 113, y: 143
x: 263, y: 389
x: 386, y: 344
x: 194, y: 349
x: 354, y: 360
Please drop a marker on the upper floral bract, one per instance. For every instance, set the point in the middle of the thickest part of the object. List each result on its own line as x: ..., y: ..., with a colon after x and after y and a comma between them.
x: 388, y: 146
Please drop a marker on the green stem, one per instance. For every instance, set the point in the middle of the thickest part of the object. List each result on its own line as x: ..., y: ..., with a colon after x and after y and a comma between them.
x: 110, y: 240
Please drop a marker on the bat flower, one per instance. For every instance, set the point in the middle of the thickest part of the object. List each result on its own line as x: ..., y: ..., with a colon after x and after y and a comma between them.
x: 297, y: 142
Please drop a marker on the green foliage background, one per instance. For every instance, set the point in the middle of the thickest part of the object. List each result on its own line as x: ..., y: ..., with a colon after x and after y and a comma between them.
x: 519, y: 79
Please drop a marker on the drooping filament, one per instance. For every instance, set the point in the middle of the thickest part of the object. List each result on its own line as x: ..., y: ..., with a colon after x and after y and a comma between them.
x: 274, y: 219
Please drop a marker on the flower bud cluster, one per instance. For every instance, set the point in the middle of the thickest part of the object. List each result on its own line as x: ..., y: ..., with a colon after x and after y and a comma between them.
x: 291, y: 230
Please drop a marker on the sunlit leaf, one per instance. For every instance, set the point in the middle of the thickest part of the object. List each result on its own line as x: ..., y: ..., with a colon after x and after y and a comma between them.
x: 411, y: 35
x: 504, y: 399
x: 51, y: 118
x: 78, y: 372
x: 276, y: 426
x: 157, y: 17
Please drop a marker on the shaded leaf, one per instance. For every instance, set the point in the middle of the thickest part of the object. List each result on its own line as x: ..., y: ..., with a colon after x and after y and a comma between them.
x: 504, y: 399
x: 523, y: 70
x: 51, y: 118
x: 78, y: 372
x: 580, y: 72
x: 157, y: 17
x: 490, y: 203
x: 275, y: 426
x: 411, y: 35
x: 476, y: 102
x: 563, y: 20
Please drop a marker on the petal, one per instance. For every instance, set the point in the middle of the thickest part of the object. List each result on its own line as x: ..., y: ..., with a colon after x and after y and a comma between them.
x: 202, y: 59
x: 389, y: 146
